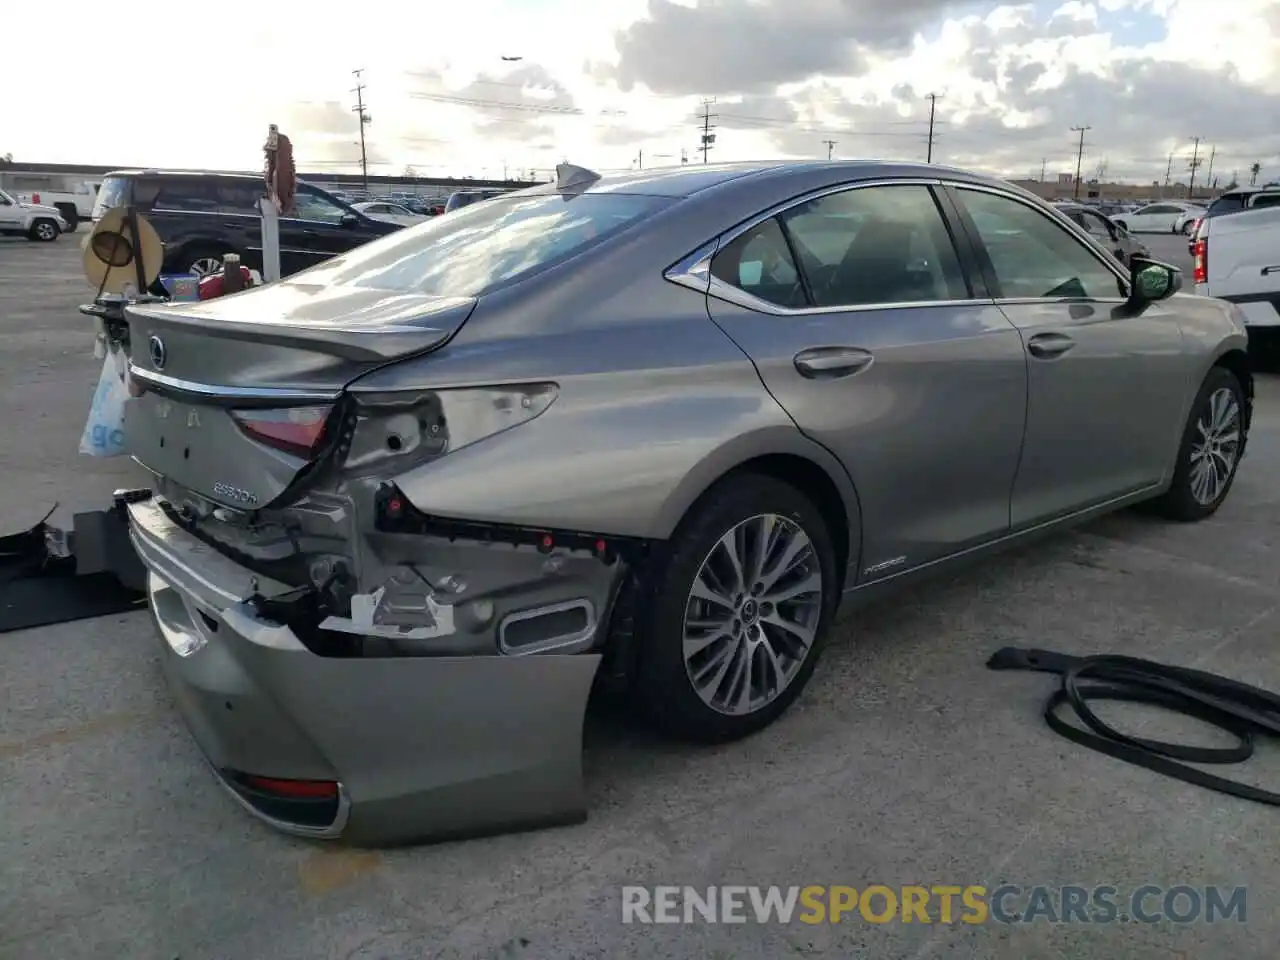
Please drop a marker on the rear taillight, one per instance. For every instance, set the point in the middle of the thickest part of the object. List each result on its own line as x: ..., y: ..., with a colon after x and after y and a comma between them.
x: 295, y: 430
x: 1200, y: 251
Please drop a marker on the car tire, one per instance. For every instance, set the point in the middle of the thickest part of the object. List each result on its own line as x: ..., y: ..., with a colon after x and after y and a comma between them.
x: 1219, y: 411
x: 207, y: 259
x: 43, y: 230
x: 757, y: 635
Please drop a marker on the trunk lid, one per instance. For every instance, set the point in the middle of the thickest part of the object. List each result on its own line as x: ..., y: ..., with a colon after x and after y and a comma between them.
x: 280, y: 355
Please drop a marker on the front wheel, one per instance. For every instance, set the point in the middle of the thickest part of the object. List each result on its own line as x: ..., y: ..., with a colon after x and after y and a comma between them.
x: 43, y: 230
x: 738, y: 613
x: 1212, y: 445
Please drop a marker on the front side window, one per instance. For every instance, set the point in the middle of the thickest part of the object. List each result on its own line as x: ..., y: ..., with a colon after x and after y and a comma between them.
x: 1033, y: 257
x: 474, y: 249
x: 875, y: 245
x: 759, y: 262
x: 310, y: 205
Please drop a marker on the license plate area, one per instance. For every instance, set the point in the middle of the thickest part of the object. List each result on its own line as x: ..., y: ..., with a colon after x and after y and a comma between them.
x: 200, y: 447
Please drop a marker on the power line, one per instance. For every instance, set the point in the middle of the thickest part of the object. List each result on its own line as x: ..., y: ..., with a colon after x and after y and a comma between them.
x: 831, y: 145
x: 1075, y: 192
x: 359, y: 110
x: 708, y: 138
x: 933, y: 107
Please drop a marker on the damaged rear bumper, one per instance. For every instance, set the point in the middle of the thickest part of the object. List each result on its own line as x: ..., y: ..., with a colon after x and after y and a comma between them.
x: 376, y: 750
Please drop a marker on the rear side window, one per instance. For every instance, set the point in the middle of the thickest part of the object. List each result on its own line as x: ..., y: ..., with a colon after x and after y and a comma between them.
x: 114, y: 192
x: 874, y: 245
x: 485, y: 244
x: 238, y: 196
x: 189, y: 195
x: 759, y: 262
x: 1265, y: 200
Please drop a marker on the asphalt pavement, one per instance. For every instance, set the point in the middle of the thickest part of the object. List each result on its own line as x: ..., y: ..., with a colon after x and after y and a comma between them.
x: 905, y: 762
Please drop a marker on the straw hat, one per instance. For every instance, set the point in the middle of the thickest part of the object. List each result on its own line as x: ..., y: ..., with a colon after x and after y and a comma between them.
x: 110, y: 248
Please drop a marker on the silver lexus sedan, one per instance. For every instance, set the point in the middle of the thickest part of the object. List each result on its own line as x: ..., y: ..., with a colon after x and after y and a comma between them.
x: 644, y: 431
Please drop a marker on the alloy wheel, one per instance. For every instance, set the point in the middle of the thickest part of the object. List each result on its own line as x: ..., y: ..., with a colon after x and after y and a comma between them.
x: 204, y: 266
x: 752, y: 614
x: 46, y: 231
x: 1216, y: 446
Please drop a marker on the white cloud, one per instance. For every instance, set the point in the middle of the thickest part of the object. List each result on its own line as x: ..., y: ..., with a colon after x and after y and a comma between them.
x: 181, y: 98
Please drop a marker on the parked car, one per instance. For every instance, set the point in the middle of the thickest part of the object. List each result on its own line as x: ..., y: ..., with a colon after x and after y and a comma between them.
x: 32, y: 220
x: 464, y: 198
x: 1109, y: 235
x: 1237, y: 259
x: 389, y: 212
x: 73, y: 205
x: 1164, y: 216
x: 646, y: 430
x: 1236, y: 201
x: 203, y: 216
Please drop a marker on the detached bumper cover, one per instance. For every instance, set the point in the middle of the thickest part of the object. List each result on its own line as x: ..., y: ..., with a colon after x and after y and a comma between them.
x: 420, y: 747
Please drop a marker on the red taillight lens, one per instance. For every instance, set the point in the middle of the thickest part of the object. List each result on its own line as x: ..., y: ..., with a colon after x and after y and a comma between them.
x: 296, y: 430
x: 1200, y: 251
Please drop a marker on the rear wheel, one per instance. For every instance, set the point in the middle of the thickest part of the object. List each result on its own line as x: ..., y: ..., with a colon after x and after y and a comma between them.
x: 200, y: 262
x: 733, y: 627
x: 43, y: 230
x: 1209, y: 455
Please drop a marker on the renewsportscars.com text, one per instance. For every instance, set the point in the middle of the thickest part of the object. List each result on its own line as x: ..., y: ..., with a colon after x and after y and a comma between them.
x: 877, y: 903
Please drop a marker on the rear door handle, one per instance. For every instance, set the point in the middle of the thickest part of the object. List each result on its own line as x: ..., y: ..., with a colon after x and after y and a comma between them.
x: 1049, y: 346
x: 831, y: 363
x: 1267, y: 271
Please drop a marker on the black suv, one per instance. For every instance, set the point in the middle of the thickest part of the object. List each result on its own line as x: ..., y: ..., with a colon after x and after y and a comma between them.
x: 201, y: 217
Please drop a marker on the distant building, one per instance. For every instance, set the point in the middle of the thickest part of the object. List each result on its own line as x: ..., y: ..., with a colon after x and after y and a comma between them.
x: 1063, y: 188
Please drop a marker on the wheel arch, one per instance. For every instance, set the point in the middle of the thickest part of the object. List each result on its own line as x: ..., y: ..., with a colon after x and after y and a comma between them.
x: 786, y: 455
x: 1237, y: 361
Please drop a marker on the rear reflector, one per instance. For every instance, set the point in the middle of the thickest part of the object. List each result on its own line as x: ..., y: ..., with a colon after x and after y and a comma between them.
x: 1200, y: 251
x: 296, y: 430
x: 293, y: 789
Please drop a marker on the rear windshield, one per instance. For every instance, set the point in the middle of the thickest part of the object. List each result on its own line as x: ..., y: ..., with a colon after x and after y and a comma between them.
x: 114, y: 192
x: 476, y: 248
x: 1227, y: 203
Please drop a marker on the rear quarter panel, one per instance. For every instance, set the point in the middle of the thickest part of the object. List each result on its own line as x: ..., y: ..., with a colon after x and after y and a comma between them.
x: 651, y: 412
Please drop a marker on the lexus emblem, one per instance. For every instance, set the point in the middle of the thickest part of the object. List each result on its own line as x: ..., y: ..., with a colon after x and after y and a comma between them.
x: 158, y: 353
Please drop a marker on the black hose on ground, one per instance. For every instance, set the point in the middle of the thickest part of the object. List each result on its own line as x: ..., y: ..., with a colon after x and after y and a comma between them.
x: 1236, y: 708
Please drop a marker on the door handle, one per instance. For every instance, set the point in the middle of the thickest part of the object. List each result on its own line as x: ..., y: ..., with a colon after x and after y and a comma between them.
x: 1049, y: 346
x: 831, y: 363
x: 1267, y: 271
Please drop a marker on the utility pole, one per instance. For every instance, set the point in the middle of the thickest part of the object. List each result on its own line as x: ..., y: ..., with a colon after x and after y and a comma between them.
x: 640, y: 159
x: 1208, y: 177
x: 708, y: 138
x: 1168, y: 174
x: 831, y: 145
x: 1044, y: 162
x: 1079, y: 157
x: 933, y: 108
x: 364, y: 118
x: 1194, y: 165
x: 684, y: 156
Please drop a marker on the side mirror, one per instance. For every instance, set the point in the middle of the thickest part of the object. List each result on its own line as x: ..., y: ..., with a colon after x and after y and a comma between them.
x: 349, y: 220
x: 1150, y: 281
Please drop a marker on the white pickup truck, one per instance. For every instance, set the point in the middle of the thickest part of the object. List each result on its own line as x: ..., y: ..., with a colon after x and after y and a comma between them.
x: 34, y: 221
x: 1237, y: 258
x: 75, y: 205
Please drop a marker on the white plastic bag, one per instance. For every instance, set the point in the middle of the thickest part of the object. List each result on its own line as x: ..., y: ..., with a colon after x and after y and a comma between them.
x: 104, y: 430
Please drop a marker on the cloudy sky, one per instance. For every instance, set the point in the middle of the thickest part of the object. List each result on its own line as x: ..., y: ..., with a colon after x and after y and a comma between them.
x: 613, y: 84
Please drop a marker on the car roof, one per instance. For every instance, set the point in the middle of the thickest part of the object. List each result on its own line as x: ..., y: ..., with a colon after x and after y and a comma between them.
x: 183, y: 173
x: 689, y: 179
